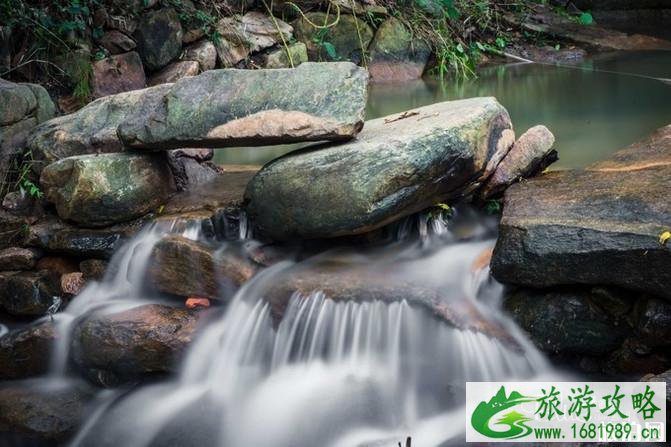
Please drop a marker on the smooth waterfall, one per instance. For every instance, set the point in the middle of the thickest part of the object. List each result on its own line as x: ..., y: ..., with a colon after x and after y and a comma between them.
x: 327, y: 372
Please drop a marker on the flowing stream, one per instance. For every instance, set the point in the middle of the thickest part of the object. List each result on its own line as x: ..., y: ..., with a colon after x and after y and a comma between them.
x: 331, y: 372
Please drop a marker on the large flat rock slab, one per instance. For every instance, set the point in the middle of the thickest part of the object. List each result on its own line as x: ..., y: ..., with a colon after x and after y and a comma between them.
x: 601, y: 225
x: 223, y: 108
x: 397, y: 166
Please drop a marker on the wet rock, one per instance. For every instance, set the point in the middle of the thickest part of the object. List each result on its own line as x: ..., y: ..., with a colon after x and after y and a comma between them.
x: 347, y: 40
x: 203, y: 52
x: 174, y: 72
x: 28, y: 293
x: 546, y: 21
x: 531, y: 153
x: 58, y: 237
x: 395, y: 55
x: 280, y: 57
x: 186, y: 268
x: 57, y: 264
x: 633, y: 358
x: 116, y: 42
x: 601, y: 225
x: 72, y: 283
x: 189, y: 173
x: 565, y: 321
x: 398, y: 165
x: 118, y: 74
x: 92, y: 129
x: 222, y: 108
x: 39, y: 415
x: 100, y: 190
x: 341, y: 282
x: 93, y: 269
x: 17, y: 258
x: 144, y: 340
x: 654, y: 323
x: 247, y: 34
x: 159, y: 37
x: 217, y: 203
x: 25, y: 352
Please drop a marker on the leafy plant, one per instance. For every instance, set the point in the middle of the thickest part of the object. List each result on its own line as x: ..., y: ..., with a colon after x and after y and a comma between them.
x: 586, y: 18
x: 493, y: 207
x: 25, y: 183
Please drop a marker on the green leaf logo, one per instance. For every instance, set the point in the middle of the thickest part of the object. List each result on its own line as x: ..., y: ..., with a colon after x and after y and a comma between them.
x: 487, y: 416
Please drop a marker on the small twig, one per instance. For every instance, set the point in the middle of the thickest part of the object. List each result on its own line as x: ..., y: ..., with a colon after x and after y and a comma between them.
x: 402, y: 116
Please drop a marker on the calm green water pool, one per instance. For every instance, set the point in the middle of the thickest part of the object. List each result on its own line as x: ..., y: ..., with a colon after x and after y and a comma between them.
x: 593, y: 108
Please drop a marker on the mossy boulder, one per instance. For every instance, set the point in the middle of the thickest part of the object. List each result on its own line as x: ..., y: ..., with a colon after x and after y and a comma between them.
x: 159, y: 37
x: 398, y: 165
x: 395, y: 54
x: 100, y: 190
x: 29, y: 293
x: 348, y: 40
x: 280, y: 57
x: 221, y: 108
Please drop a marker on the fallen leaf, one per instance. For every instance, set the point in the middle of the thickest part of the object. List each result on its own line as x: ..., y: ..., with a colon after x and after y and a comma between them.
x: 664, y: 237
x: 194, y: 302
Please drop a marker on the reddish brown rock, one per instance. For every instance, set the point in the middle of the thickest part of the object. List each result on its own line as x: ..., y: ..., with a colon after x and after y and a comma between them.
x: 183, y: 267
x: 117, y: 74
x: 72, y: 283
x: 143, y: 340
x: 93, y: 269
x: 174, y: 72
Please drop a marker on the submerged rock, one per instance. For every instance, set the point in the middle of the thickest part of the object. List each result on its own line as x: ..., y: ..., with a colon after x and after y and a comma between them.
x: 397, y: 166
x: 29, y: 293
x: 26, y: 352
x: 92, y: 129
x: 341, y: 281
x: 36, y: 415
x: 183, y: 267
x: 100, y: 190
x: 222, y: 108
x: 395, y: 55
x: 531, y: 153
x: 601, y: 225
x: 143, y: 340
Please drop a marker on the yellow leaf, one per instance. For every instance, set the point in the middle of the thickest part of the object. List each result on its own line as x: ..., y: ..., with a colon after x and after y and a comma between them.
x: 160, y: 209
x: 664, y: 237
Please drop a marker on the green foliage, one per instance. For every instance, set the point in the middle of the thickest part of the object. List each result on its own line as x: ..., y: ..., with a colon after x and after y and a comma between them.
x: 25, y: 182
x: 198, y: 17
x: 441, y: 210
x: 493, y: 207
x: 586, y: 18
